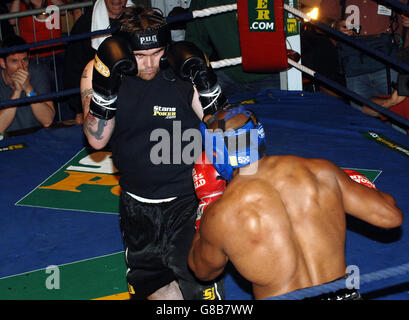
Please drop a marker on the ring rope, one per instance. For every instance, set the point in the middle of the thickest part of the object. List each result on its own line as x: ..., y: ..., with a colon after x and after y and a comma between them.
x: 230, y: 62
x: 217, y: 64
x: 82, y: 36
x: 350, y: 93
x: 201, y: 13
x: 63, y: 93
x: 213, y: 10
x: 216, y: 10
x: 350, y: 40
x: 225, y: 62
x: 40, y: 97
x: 320, y: 77
x: 340, y: 284
x: 177, y: 18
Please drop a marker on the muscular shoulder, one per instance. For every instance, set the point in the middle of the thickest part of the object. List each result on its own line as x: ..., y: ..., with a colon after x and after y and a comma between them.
x: 243, y: 202
x: 303, y: 168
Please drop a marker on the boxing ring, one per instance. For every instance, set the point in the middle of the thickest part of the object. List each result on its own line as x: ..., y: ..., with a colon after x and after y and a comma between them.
x: 86, y: 244
x: 59, y: 228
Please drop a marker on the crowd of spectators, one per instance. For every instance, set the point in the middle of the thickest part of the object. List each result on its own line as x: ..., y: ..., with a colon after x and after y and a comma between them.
x: 371, y: 23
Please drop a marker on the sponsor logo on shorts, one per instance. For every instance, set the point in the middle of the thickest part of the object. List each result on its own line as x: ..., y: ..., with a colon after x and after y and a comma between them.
x: 131, y: 289
x: 209, y: 294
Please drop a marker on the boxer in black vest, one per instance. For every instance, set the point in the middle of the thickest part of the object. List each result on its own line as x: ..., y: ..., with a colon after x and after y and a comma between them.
x: 128, y: 92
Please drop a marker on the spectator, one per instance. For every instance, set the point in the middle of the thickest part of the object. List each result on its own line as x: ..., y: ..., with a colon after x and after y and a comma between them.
x: 372, y: 23
x: 218, y: 37
x: 76, y: 13
x: 404, y: 25
x: 6, y: 27
x: 19, y: 78
x: 398, y: 101
x: 36, y: 29
x: 79, y: 53
x: 395, y: 103
x: 319, y: 52
x: 171, y: 8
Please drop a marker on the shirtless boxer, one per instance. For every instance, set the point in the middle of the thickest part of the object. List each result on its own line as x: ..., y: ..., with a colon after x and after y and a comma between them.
x: 284, y: 216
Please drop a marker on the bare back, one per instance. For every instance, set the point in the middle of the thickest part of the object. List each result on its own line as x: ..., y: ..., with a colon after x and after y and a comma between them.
x: 290, y: 213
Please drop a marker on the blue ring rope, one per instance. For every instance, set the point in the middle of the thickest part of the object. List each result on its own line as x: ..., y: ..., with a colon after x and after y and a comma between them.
x: 82, y: 36
x: 360, y: 45
x: 340, y: 284
x: 23, y: 47
x: 363, y: 100
x: 40, y: 97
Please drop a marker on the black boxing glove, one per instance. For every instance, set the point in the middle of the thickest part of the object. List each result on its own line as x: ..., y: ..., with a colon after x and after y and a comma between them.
x: 113, y: 59
x: 190, y: 63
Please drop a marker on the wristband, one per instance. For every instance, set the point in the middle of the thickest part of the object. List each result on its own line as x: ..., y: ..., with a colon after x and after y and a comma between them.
x: 31, y: 94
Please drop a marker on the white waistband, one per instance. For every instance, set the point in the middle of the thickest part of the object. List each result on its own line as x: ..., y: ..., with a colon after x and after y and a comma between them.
x: 150, y: 200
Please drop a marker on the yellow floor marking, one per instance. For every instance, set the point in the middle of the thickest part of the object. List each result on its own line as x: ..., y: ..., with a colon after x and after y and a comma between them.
x: 118, y: 296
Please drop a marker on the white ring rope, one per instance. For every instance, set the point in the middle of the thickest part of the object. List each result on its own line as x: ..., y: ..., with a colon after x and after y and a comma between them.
x: 301, y: 67
x: 296, y: 12
x: 213, y: 10
x: 235, y: 61
x: 225, y: 62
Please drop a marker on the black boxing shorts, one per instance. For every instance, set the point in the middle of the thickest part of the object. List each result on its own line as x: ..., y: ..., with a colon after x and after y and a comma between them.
x: 341, y: 294
x: 157, y: 239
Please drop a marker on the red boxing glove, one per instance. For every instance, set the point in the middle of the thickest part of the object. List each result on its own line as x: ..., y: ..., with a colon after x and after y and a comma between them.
x: 360, y: 178
x: 208, y: 184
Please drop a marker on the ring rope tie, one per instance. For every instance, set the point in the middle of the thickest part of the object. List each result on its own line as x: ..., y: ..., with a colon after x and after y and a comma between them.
x: 340, y: 284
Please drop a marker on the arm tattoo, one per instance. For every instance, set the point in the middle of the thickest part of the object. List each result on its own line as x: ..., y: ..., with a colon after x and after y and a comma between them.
x: 85, y: 73
x: 87, y: 92
x: 101, y: 124
x: 86, y: 97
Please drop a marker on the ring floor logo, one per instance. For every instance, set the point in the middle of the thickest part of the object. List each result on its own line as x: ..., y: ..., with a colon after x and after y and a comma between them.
x: 88, y: 182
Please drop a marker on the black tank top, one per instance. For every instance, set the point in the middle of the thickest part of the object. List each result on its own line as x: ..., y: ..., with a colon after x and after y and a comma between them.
x: 153, y: 107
